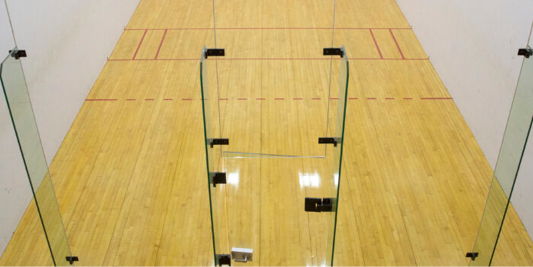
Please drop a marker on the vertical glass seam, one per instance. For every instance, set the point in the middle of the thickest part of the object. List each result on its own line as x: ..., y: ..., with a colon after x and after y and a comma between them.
x: 340, y: 158
x: 207, y: 158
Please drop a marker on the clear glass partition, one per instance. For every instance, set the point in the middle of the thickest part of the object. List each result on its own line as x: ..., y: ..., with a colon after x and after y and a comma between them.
x: 22, y: 117
x: 280, y: 205
x: 509, y: 161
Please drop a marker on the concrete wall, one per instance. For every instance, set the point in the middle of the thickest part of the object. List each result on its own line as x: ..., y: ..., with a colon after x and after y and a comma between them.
x: 67, y: 44
x: 472, y: 45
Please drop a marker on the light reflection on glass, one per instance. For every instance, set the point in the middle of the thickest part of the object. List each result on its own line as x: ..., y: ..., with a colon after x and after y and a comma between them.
x: 233, y: 178
x: 309, y: 180
x: 336, y: 178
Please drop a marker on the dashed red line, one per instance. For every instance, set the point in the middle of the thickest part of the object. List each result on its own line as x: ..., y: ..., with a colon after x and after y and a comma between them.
x: 149, y: 99
x: 223, y: 99
x: 168, y: 99
x: 334, y: 98
x: 435, y: 98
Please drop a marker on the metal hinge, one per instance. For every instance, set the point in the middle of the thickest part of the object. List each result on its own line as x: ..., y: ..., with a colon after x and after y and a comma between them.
x: 224, y: 259
x: 72, y: 259
x: 472, y: 255
x: 218, y: 142
x: 17, y: 53
x: 526, y: 52
x: 214, y: 52
x: 319, y: 205
x: 217, y: 178
x: 329, y: 140
x: 333, y: 51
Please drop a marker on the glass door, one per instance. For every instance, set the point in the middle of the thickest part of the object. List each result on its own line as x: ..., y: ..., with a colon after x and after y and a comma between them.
x: 29, y: 141
x: 509, y: 161
x: 272, y: 207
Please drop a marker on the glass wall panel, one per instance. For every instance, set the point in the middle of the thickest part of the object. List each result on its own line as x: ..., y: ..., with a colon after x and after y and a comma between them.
x: 22, y: 117
x: 507, y: 168
x: 261, y: 203
x: 213, y: 153
x: 339, y: 125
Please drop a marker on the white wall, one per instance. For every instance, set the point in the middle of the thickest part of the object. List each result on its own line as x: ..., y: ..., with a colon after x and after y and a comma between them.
x: 472, y: 45
x: 67, y: 44
x: 14, y: 189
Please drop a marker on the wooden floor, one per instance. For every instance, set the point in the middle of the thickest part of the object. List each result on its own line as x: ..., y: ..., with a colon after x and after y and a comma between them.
x: 130, y: 176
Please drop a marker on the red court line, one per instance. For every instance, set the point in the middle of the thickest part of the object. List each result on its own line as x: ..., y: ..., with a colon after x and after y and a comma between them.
x: 161, y: 44
x: 406, y: 59
x: 101, y: 99
x: 265, y: 59
x: 278, y: 98
x: 396, y: 42
x: 376, y: 43
x: 139, y: 46
x: 271, y: 28
x: 253, y: 59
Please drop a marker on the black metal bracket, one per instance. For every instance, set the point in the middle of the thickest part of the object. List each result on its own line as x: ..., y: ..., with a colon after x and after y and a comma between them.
x: 214, y: 52
x: 218, y: 142
x: 217, y: 178
x: 333, y: 51
x: 329, y: 140
x: 72, y: 259
x: 472, y: 255
x: 319, y: 205
x: 526, y: 52
x: 18, y: 53
x: 224, y: 259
